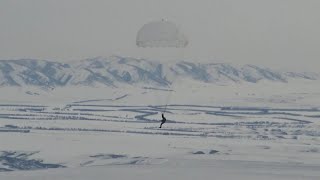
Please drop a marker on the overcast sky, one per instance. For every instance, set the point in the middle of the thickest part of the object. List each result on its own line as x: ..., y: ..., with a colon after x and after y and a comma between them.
x: 262, y: 32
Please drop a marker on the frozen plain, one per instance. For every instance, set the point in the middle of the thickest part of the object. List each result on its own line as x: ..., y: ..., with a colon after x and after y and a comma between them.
x: 259, y: 131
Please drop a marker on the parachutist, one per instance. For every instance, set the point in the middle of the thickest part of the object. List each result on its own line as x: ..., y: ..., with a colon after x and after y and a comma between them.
x: 161, y: 34
x: 163, y: 120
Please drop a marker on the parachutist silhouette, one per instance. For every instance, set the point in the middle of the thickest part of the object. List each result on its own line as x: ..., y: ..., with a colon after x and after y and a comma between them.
x: 163, y: 120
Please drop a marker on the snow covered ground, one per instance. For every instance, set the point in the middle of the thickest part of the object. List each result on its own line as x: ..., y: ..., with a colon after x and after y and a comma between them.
x: 241, y: 131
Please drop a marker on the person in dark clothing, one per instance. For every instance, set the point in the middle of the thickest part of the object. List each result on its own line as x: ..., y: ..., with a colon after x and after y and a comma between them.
x: 163, y: 120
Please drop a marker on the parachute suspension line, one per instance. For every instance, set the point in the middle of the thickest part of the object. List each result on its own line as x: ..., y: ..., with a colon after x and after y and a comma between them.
x: 174, y: 84
x: 167, y: 101
x: 162, y: 34
x: 172, y: 90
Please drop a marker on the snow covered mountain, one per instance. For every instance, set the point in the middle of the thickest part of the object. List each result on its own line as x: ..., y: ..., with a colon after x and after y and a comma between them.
x: 115, y: 71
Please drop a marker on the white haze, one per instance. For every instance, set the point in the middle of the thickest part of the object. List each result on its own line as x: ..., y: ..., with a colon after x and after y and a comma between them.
x: 274, y: 33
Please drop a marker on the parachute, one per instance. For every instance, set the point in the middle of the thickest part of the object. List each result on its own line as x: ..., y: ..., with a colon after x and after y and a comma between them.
x: 161, y: 34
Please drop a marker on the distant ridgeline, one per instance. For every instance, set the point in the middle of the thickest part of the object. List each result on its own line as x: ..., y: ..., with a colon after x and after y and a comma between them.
x: 115, y: 71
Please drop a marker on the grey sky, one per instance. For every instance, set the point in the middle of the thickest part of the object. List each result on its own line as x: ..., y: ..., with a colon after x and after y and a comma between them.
x: 262, y: 32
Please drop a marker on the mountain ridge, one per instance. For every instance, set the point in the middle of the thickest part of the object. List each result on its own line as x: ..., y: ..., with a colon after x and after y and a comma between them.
x: 115, y: 71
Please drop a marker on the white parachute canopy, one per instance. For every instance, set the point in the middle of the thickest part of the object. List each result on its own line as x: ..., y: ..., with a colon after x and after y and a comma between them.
x: 161, y: 34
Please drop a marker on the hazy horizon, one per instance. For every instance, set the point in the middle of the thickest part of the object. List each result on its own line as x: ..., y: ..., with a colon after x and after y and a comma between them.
x: 271, y: 33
